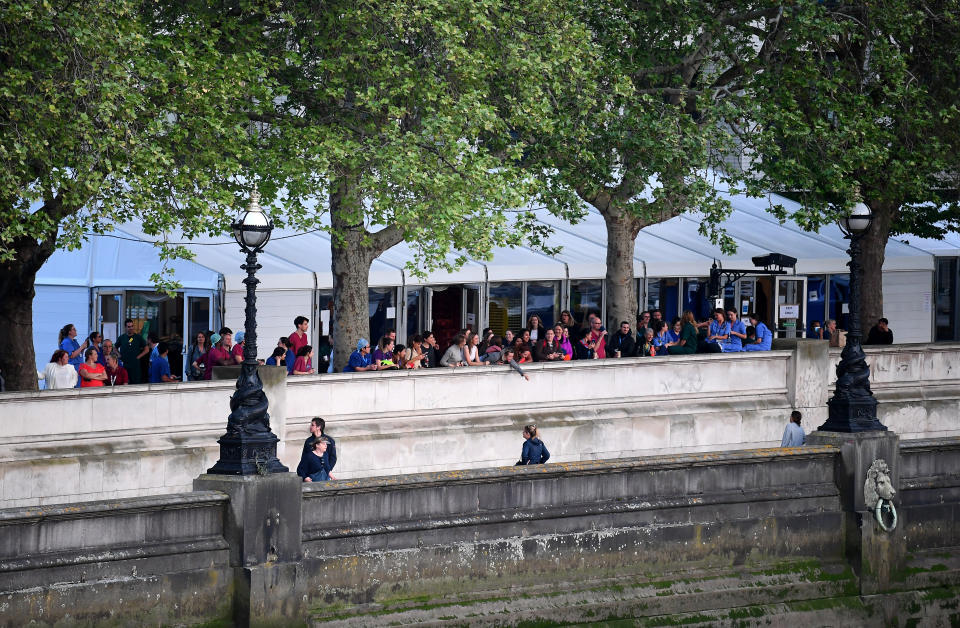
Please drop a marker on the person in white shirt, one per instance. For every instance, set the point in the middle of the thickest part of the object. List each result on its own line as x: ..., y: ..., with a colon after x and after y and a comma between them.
x: 59, y: 373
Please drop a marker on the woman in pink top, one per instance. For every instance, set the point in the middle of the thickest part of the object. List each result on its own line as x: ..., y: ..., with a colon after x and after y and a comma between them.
x: 304, y: 363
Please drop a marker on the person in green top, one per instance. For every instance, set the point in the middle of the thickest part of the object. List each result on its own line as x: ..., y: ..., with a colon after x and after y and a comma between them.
x: 132, y: 347
x: 688, y: 336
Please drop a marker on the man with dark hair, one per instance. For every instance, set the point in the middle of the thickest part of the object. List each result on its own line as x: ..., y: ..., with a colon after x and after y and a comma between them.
x: 153, y: 340
x: 622, y: 344
x: 793, y: 435
x: 880, y: 334
x: 429, y: 349
x: 299, y: 338
x: 160, y: 367
x: 317, y: 425
x: 132, y: 347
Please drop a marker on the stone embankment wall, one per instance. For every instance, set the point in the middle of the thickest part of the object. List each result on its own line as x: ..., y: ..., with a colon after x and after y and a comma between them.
x: 65, y: 446
x: 713, y: 537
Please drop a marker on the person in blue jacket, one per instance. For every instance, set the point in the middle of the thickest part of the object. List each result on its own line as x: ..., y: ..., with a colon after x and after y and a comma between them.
x: 764, y: 335
x: 314, y: 467
x: 534, y: 451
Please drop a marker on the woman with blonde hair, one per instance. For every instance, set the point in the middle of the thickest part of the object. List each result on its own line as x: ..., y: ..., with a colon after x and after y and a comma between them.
x: 534, y: 451
x: 688, y: 336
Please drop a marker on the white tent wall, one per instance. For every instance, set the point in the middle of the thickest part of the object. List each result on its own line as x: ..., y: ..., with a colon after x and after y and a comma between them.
x: 53, y: 307
x: 908, y: 305
x: 276, y: 310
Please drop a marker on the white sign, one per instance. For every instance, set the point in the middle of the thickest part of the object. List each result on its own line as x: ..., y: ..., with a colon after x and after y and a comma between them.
x: 471, y: 319
x: 789, y: 311
x: 325, y: 318
x: 391, y: 312
x: 845, y: 308
x: 926, y: 302
x: 813, y: 296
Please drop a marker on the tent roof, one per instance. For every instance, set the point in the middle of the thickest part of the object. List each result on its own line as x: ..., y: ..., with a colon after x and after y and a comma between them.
x: 675, y: 248
x: 119, y: 260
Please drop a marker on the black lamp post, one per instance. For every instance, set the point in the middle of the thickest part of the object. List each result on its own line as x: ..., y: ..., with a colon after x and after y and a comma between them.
x: 249, y: 447
x: 853, y: 407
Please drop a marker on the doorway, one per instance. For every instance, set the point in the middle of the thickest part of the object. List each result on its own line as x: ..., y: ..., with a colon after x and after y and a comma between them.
x: 446, y: 313
x: 791, y: 307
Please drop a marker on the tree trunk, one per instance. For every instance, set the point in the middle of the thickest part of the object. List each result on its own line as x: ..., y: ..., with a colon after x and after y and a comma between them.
x: 17, y: 279
x: 874, y: 245
x: 353, y: 250
x: 621, y: 284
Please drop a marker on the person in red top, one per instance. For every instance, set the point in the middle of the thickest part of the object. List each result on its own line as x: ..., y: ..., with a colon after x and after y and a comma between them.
x: 299, y: 339
x: 92, y: 373
x: 596, y: 338
x: 116, y: 374
x: 219, y: 354
x: 237, y: 351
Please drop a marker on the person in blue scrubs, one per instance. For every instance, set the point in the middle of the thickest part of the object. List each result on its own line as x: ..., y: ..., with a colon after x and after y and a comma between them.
x: 764, y: 335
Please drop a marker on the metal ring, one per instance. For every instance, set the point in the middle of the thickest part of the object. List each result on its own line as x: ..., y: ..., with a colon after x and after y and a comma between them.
x: 878, y: 513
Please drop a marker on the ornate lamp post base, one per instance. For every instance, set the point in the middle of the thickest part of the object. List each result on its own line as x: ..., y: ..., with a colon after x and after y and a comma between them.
x: 852, y: 415
x: 248, y: 454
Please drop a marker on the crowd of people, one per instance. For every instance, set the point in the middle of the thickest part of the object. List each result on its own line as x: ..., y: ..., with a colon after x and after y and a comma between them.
x: 135, y: 360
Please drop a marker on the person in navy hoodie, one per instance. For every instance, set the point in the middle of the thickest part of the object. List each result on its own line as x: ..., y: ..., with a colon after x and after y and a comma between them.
x: 317, y: 425
x: 534, y: 451
x: 314, y: 466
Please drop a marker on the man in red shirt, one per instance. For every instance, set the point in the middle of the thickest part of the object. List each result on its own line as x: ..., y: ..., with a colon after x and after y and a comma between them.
x: 298, y: 338
x: 596, y: 338
x: 238, y: 348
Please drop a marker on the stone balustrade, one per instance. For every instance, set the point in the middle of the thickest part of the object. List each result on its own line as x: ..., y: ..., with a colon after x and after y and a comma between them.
x: 76, y: 445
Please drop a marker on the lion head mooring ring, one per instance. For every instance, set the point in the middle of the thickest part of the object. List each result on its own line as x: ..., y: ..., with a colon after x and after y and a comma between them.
x: 884, y: 508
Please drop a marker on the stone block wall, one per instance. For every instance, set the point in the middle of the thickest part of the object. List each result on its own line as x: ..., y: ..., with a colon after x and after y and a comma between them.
x: 64, y: 446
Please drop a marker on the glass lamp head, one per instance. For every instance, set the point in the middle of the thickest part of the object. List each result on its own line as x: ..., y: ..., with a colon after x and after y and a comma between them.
x: 253, y: 230
x: 857, y: 221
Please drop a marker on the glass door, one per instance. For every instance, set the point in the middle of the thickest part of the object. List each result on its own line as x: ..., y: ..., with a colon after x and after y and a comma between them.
x: 471, y: 307
x: 790, y: 312
x: 198, y: 317
x: 107, y: 319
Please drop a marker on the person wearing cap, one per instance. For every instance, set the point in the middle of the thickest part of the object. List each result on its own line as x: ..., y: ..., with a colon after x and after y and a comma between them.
x: 214, y: 356
x: 237, y: 351
x: 360, y: 360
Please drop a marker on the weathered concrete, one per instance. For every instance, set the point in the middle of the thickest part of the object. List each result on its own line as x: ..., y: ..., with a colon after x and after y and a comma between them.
x: 141, y: 440
x: 162, y: 560
x: 725, y: 538
x: 263, y: 529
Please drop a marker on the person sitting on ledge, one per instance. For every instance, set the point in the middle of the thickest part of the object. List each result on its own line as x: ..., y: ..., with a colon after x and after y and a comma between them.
x: 764, y: 335
x: 793, y: 435
x: 687, y: 342
x: 313, y: 468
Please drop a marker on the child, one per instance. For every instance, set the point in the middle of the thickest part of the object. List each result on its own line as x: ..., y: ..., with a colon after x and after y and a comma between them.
x: 534, y: 451
x: 314, y: 468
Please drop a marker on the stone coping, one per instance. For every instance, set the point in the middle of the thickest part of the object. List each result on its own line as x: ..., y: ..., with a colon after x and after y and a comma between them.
x: 553, y: 470
x: 930, y: 444
x: 109, y: 507
x: 433, y: 372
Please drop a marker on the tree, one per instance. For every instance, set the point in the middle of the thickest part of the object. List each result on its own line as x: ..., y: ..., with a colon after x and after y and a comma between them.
x: 862, y: 103
x: 650, y: 129
x: 399, y: 121
x: 111, y: 109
